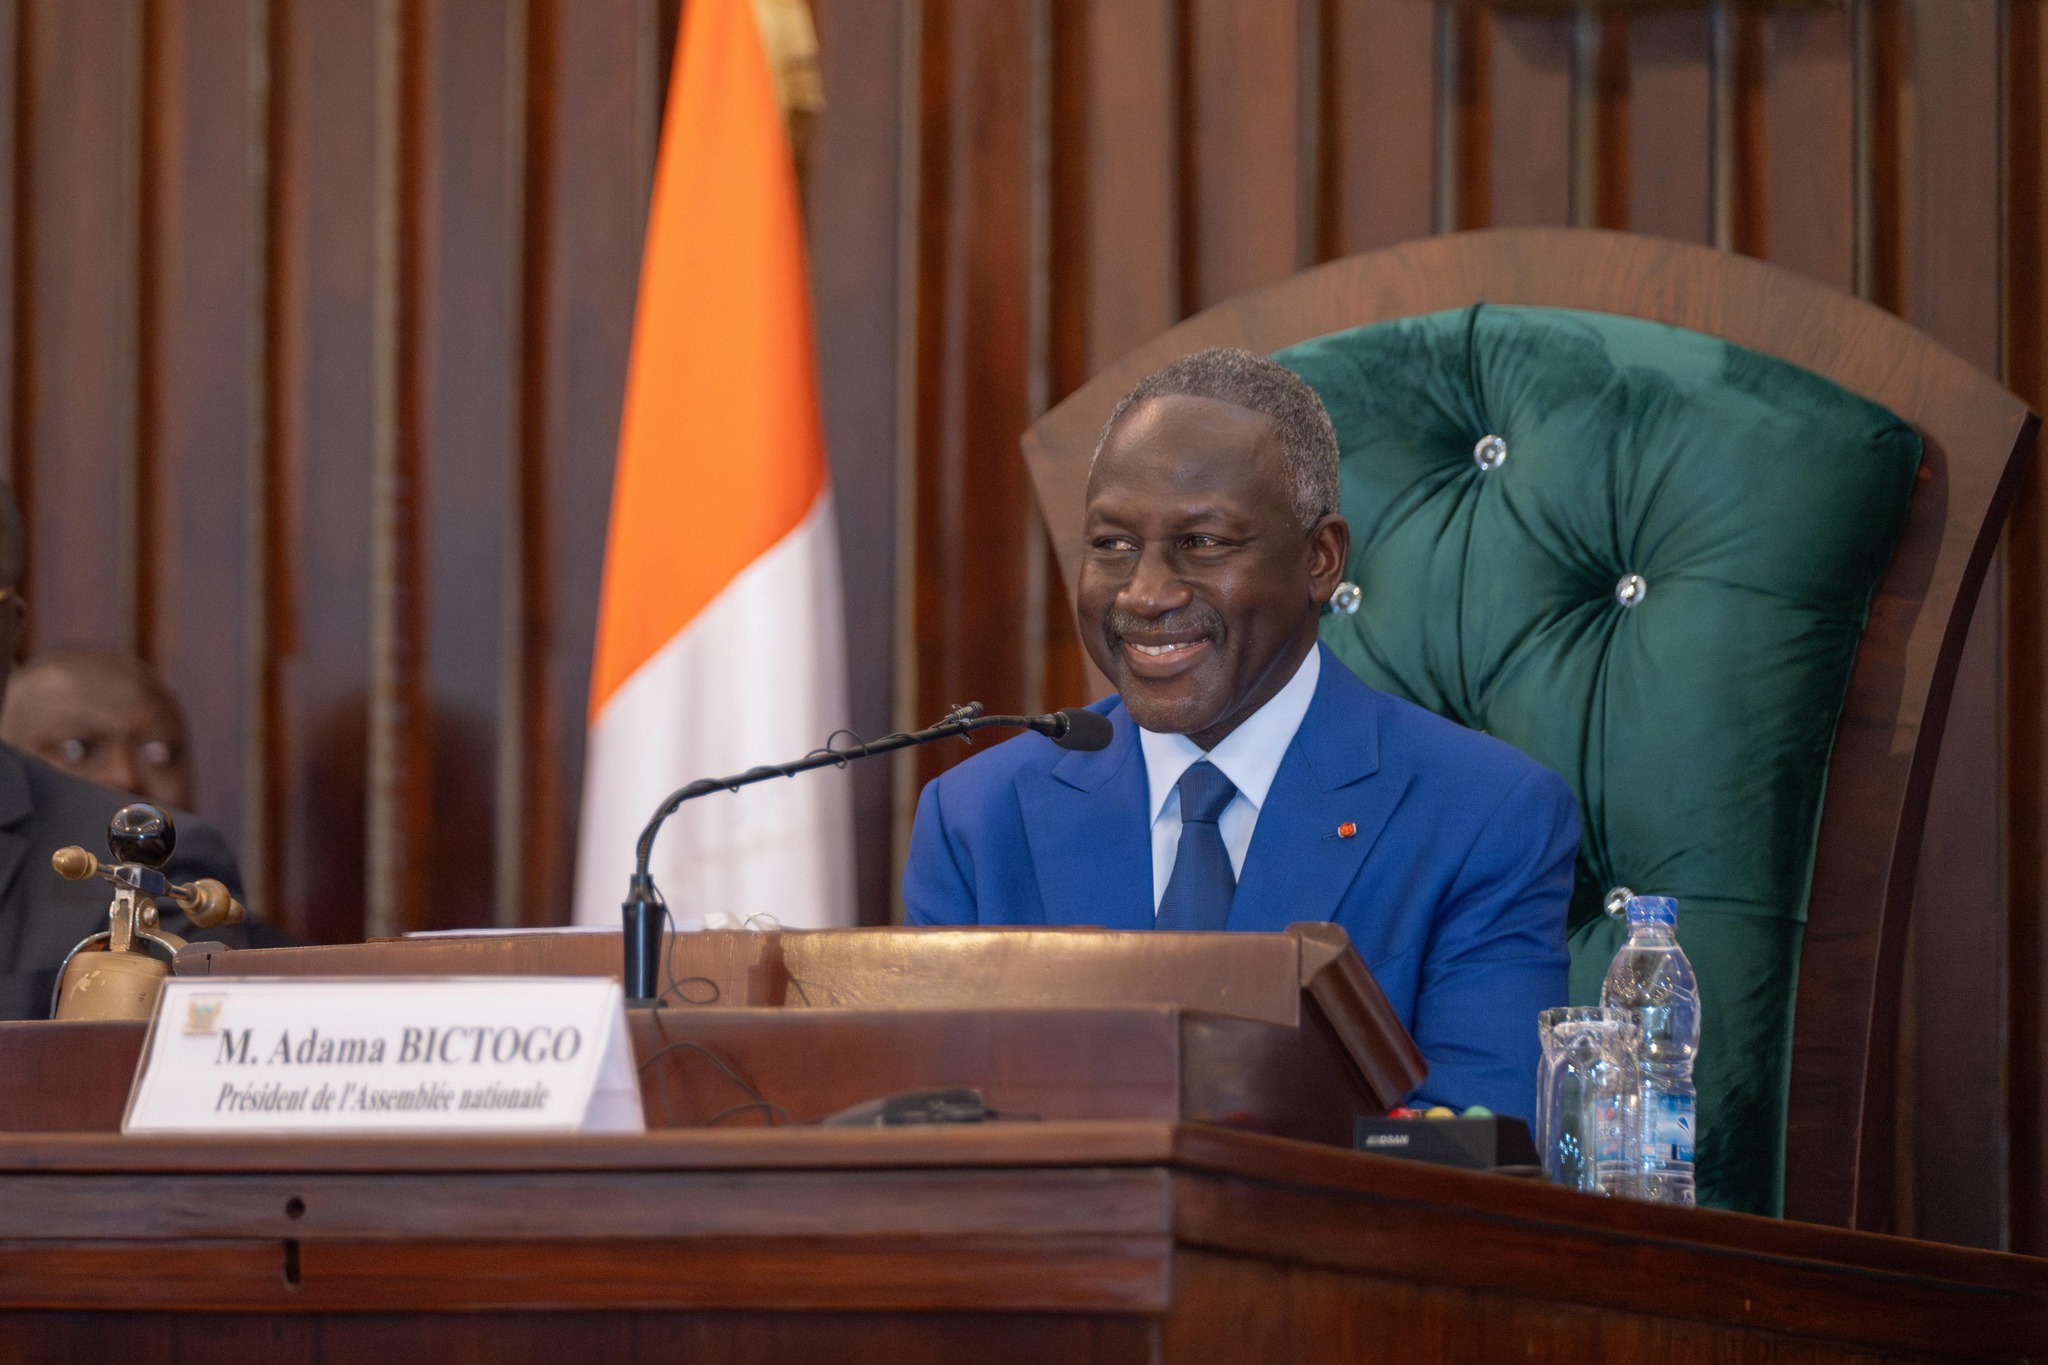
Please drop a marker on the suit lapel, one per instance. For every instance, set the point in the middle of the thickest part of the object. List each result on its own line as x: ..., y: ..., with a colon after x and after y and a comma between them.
x: 1301, y: 864
x: 1091, y: 844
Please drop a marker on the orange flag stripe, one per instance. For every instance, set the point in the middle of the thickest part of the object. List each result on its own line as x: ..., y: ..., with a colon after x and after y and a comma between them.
x: 721, y: 452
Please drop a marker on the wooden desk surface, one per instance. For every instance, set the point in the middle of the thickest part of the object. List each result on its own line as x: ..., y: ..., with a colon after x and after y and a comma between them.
x: 1105, y: 1240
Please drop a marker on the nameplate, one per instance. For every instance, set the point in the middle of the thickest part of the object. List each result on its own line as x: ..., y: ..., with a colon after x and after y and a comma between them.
x: 492, y: 1054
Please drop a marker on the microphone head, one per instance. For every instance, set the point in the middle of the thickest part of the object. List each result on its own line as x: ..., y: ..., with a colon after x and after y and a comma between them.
x: 1085, y: 730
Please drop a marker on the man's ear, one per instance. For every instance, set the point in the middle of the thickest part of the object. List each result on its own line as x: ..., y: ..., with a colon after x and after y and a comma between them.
x: 1329, y: 550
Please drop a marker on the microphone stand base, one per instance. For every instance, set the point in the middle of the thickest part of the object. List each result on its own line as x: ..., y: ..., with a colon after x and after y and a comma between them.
x: 643, y: 923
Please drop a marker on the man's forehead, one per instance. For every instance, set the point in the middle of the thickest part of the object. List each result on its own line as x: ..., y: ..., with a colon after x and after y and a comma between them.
x: 1179, y: 443
x: 68, y: 687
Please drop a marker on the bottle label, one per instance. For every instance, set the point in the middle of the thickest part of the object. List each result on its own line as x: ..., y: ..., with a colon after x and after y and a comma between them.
x: 1610, y: 1133
x: 1671, y: 1127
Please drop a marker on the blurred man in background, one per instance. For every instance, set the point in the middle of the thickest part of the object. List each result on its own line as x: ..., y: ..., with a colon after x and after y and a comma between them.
x: 104, y: 716
x: 75, y: 725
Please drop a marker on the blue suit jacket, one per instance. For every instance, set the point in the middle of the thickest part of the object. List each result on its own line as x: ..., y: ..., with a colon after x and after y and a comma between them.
x: 1453, y: 885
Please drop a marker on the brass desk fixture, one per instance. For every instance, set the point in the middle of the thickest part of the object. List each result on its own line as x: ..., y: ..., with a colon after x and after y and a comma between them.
x: 116, y: 973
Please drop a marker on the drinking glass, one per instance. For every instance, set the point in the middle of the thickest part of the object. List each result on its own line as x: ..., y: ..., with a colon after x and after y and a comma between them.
x: 1587, y: 1099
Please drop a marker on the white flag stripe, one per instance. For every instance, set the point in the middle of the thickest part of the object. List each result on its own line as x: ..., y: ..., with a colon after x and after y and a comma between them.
x: 757, y: 677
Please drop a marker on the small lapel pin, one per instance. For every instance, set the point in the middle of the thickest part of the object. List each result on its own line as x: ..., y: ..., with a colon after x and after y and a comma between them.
x: 1346, y: 830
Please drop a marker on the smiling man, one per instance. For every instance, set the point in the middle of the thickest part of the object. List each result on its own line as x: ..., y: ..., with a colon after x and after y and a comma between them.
x: 1254, y: 781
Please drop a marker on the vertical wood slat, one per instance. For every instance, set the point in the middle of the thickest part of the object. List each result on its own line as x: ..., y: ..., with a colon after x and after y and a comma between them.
x: 1464, y: 138
x: 853, y: 211
x: 592, y: 156
x: 1037, y: 573
x: 1241, y: 147
x: 1609, y: 109
x: 1878, y: 29
x: 1738, y: 166
x: 1530, y: 88
x: 1809, y: 96
x: 77, y: 451
x: 325, y: 436
x: 974, y: 279
x: 393, y: 870
x: 1954, y: 232
x: 1671, y: 126
x: 462, y: 359
x: 1379, y: 146
x: 1116, y: 271
x: 203, y: 349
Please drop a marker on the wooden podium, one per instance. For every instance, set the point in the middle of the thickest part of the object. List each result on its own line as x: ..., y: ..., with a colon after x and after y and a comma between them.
x: 1181, y: 1195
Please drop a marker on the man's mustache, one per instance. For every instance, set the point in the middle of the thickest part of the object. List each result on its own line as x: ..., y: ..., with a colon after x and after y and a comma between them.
x: 1196, y: 618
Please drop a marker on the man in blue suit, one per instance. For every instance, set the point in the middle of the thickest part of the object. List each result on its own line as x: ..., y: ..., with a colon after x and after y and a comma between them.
x: 1254, y: 781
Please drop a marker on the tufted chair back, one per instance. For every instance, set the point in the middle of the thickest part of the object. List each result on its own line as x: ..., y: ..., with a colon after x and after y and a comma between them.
x: 1644, y: 557
x: 1702, y: 536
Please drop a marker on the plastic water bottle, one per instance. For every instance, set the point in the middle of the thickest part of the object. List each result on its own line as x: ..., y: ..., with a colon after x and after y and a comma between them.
x: 1651, y: 979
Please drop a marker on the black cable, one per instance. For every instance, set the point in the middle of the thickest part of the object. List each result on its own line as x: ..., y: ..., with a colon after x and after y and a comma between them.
x: 754, y: 1096
x: 768, y: 1106
x: 684, y: 1045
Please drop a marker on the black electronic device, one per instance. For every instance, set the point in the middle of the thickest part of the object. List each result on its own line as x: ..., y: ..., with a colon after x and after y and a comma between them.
x: 1487, y: 1142
x: 914, y: 1107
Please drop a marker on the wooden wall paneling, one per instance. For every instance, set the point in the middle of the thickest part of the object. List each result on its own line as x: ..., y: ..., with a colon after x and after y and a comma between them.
x: 77, y: 454
x: 1600, y: 121
x: 1464, y: 112
x: 335, y: 229
x: 1879, y: 30
x: 1809, y: 95
x: 1671, y: 126
x: 590, y: 155
x: 1242, y: 154
x: 465, y: 349
x: 1951, y: 124
x: 1741, y: 185
x: 1116, y: 271
x: 975, y: 522
x: 203, y: 354
x: 1530, y: 89
x: 1378, y: 152
x: 2026, y: 674
x: 853, y: 206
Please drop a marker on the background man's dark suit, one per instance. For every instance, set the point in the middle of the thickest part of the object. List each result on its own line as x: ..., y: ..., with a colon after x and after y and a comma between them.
x: 42, y: 916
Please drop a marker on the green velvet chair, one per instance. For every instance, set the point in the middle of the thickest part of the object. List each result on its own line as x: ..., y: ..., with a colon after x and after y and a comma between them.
x: 1702, y: 536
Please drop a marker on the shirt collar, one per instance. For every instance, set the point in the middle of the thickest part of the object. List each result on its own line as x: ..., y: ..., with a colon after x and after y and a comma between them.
x: 1249, y: 755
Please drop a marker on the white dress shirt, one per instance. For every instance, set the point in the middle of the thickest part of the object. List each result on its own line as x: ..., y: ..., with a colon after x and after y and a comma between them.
x: 1249, y: 756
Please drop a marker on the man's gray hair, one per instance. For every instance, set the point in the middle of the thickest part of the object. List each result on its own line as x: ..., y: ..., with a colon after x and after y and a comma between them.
x: 1307, y: 440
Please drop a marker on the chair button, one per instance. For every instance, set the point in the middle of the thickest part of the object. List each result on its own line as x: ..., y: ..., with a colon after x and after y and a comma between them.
x: 1631, y: 590
x: 1617, y: 901
x: 1490, y: 453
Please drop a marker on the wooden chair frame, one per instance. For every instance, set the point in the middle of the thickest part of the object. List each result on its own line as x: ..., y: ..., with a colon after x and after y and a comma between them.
x: 1979, y: 441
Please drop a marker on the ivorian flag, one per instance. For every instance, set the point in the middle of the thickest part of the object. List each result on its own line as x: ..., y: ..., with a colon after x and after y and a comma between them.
x: 720, y: 643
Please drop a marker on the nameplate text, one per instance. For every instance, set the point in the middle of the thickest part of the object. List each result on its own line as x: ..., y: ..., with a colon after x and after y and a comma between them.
x: 387, y: 1055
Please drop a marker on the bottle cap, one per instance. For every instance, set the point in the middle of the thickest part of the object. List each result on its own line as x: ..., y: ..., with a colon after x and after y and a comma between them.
x: 1652, y: 910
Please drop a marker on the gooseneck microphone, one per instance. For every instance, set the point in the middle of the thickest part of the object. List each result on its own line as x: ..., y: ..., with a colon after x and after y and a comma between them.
x: 1072, y: 728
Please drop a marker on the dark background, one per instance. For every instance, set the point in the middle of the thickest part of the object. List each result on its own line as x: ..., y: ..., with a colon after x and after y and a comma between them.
x: 319, y: 323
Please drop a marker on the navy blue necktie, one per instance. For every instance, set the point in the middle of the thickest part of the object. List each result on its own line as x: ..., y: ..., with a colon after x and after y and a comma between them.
x: 1199, y: 891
